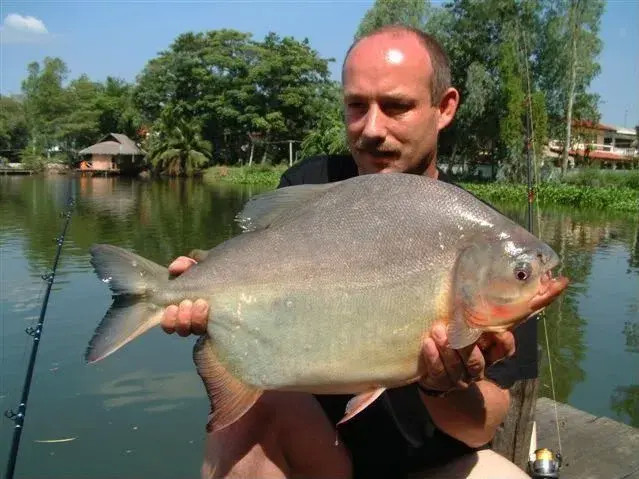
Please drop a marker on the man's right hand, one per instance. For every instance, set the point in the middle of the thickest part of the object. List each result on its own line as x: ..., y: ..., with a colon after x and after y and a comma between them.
x: 189, y: 317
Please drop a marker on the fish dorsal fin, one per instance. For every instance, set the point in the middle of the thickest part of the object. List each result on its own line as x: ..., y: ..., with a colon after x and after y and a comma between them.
x: 262, y: 210
x: 230, y: 398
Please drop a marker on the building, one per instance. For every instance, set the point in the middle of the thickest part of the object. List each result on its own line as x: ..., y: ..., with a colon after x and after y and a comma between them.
x: 115, y: 153
x: 604, y: 146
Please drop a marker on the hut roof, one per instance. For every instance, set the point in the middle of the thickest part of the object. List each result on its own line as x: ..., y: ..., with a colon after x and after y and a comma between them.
x: 113, y: 144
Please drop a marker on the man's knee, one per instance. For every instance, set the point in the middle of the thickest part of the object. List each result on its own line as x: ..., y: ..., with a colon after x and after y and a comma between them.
x: 284, y: 434
x: 484, y: 464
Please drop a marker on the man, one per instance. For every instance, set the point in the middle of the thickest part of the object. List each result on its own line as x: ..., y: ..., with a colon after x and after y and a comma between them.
x: 397, y: 97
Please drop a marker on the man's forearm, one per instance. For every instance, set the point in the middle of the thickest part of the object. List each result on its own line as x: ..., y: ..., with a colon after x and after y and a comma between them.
x: 471, y: 415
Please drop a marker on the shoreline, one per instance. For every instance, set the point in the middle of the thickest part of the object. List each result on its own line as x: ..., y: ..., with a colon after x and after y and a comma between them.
x: 612, y: 198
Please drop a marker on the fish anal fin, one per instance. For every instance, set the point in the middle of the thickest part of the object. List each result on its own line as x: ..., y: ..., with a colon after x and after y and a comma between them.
x: 230, y: 398
x: 359, y: 403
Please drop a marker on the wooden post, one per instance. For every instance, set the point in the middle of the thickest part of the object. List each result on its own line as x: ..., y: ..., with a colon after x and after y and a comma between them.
x: 513, y: 437
x: 290, y: 152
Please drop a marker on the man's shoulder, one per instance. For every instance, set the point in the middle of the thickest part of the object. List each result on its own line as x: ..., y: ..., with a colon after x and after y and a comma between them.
x: 320, y: 169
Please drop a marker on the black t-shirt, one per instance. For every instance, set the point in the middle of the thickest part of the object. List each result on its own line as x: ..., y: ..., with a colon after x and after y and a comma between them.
x: 395, y: 435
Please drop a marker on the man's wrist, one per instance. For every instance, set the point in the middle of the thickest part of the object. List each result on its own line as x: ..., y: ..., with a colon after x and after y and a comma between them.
x: 432, y: 392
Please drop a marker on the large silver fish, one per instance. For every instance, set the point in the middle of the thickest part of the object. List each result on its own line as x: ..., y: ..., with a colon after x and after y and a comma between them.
x: 331, y: 288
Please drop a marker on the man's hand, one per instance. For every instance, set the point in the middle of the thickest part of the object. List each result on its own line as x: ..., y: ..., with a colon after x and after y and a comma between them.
x: 448, y: 369
x: 473, y: 408
x: 188, y: 317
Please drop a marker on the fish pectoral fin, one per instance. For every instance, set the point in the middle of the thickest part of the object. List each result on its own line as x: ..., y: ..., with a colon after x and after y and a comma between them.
x: 199, y: 255
x: 359, y: 403
x: 230, y: 398
x: 461, y: 335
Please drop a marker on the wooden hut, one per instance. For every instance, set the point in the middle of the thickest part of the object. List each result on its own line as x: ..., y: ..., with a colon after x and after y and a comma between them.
x: 115, y: 153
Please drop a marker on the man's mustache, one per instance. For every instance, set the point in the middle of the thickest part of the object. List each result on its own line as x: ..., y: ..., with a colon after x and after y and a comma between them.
x: 376, y: 150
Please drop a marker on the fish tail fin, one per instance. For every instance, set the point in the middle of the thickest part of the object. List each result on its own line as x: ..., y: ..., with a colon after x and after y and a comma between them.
x: 132, y: 280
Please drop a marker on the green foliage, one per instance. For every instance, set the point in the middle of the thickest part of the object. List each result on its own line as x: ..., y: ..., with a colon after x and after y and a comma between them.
x: 46, y: 101
x: 511, y: 124
x: 272, y: 89
x: 115, y: 109
x: 328, y: 136
x: 176, y: 147
x: 388, y: 12
x: 561, y: 21
x: 32, y: 160
x: 625, y: 400
x: 609, y: 178
x: 508, y: 57
x: 14, y: 131
x: 263, y: 175
x: 613, y: 198
x: 80, y: 126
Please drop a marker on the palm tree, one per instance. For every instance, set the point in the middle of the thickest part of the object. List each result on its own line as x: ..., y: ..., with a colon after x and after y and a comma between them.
x: 178, y: 147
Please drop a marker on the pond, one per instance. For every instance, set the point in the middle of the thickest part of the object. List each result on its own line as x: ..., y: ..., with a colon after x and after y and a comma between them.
x: 142, y: 411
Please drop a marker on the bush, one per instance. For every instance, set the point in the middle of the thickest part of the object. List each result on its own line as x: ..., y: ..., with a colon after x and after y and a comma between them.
x: 258, y: 174
x: 31, y: 160
x: 611, y: 197
x: 604, y: 178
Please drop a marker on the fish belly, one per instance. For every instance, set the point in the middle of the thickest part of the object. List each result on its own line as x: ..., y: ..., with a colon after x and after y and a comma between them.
x: 323, y: 340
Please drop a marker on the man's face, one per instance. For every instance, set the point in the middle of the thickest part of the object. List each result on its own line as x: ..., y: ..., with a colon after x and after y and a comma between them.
x: 391, y: 123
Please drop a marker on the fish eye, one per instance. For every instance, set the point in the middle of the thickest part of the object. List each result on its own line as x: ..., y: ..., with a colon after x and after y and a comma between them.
x: 522, y: 271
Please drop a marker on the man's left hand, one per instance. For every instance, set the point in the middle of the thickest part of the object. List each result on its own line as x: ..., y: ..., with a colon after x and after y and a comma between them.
x: 448, y: 369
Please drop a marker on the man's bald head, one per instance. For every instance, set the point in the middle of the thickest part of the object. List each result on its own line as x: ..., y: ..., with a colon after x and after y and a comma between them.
x: 440, y: 79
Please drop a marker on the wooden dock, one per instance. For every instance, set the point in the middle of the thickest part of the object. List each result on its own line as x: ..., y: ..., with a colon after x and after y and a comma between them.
x: 592, y: 447
x: 16, y: 171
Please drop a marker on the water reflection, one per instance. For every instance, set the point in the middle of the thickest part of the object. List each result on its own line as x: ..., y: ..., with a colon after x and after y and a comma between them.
x: 158, y: 392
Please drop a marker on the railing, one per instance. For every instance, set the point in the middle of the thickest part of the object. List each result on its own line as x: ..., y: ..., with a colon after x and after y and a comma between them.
x: 554, y: 144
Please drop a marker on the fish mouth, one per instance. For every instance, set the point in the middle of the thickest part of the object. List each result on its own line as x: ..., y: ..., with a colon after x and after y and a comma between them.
x: 549, y: 288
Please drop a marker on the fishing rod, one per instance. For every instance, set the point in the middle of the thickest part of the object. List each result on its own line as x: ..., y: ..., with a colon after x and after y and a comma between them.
x: 543, y: 463
x: 18, y: 418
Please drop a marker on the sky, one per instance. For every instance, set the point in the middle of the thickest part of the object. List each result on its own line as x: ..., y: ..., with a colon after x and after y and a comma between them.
x: 118, y: 37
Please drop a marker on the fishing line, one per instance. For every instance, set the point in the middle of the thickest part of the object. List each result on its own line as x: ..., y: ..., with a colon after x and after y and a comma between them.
x: 552, y: 388
x: 35, y: 332
x: 531, y: 200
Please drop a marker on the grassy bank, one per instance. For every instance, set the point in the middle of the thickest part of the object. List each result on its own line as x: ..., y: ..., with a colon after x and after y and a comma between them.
x: 608, y: 197
x: 264, y: 175
x: 603, y: 178
x: 601, y: 190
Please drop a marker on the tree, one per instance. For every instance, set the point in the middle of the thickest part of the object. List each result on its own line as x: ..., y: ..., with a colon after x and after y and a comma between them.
x: 14, y: 131
x: 511, y: 124
x: 46, y: 101
x: 79, y: 127
x: 177, y: 147
x: 237, y: 86
x: 115, y: 108
x: 328, y: 136
x: 566, y: 73
x: 412, y: 13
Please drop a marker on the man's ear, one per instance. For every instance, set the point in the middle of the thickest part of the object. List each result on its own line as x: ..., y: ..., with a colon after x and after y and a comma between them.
x: 447, y: 108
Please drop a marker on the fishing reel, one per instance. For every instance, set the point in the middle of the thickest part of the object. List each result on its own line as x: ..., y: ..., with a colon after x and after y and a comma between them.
x: 544, y: 464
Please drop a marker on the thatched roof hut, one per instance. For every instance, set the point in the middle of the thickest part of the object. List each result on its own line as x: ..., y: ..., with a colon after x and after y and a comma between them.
x: 113, y: 153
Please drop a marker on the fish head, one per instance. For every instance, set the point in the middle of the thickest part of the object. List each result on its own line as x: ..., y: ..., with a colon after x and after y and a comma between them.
x: 504, y: 281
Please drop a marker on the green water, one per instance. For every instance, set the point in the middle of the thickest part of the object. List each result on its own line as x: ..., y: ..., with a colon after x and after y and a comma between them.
x: 141, y: 412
